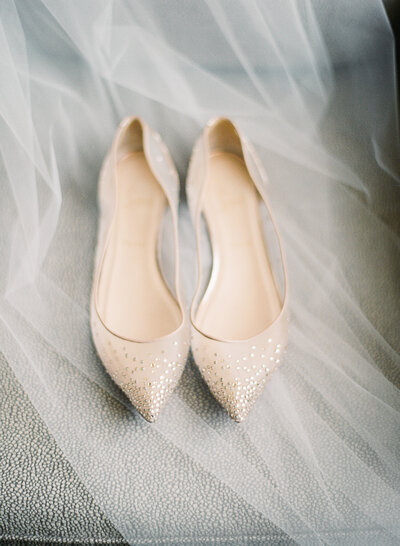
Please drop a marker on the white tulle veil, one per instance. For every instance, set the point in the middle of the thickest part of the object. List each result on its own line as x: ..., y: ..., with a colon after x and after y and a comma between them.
x: 312, y: 84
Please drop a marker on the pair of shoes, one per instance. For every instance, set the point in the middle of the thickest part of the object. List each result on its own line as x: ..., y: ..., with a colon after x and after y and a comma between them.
x: 239, y: 318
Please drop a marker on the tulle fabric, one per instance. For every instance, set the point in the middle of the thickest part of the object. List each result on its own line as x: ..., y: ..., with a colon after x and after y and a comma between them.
x: 312, y: 84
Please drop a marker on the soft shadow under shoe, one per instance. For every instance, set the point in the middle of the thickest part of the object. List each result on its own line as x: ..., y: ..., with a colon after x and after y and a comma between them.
x: 138, y: 320
x: 239, y: 313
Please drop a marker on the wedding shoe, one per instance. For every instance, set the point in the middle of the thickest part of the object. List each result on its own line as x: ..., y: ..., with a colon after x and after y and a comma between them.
x: 239, y: 319
x: 137, y: 319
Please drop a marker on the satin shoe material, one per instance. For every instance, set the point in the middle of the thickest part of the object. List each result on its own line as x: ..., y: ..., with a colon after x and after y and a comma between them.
x: 144, y: 352
x: 235, y: 357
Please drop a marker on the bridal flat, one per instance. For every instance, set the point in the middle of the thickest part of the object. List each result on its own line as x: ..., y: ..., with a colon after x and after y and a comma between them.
x: 137, y: 319
x: 239, y: 319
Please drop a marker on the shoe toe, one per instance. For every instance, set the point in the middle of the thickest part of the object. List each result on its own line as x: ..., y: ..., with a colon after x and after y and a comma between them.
x: 146, y: 372
x: 236, y: 386
x: 150, y: 384
x: 236, y: 373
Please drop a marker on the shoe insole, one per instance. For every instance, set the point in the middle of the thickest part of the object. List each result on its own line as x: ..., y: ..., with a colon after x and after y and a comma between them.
x: 133, y: 298
x: 241, y: 298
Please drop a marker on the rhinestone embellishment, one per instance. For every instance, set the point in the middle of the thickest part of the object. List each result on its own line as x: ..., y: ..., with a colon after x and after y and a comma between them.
x: 237, y: 387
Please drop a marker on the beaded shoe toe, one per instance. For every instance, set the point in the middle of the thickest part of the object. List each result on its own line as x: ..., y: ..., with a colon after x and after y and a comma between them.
x: 138, y: 320
x: 239, y: 314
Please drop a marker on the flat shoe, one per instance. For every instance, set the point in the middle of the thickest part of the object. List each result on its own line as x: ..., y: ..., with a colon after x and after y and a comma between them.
x: 138, y: 320
x: 239, y: 317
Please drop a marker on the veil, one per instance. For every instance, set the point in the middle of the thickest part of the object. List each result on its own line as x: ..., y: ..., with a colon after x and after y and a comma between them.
x: 312, y: 84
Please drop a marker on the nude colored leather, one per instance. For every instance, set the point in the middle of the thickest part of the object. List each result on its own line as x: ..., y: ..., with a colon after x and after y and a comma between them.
x: 240, y: 321
x: 138, y: 325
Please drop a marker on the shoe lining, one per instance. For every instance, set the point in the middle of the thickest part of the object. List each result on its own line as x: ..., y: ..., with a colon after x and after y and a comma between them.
x: 241, y: 299
x: 134, y: 300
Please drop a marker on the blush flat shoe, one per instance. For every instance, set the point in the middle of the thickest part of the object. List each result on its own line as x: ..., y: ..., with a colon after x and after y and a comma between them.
x: 239, y: 317
x: 138, y: 320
